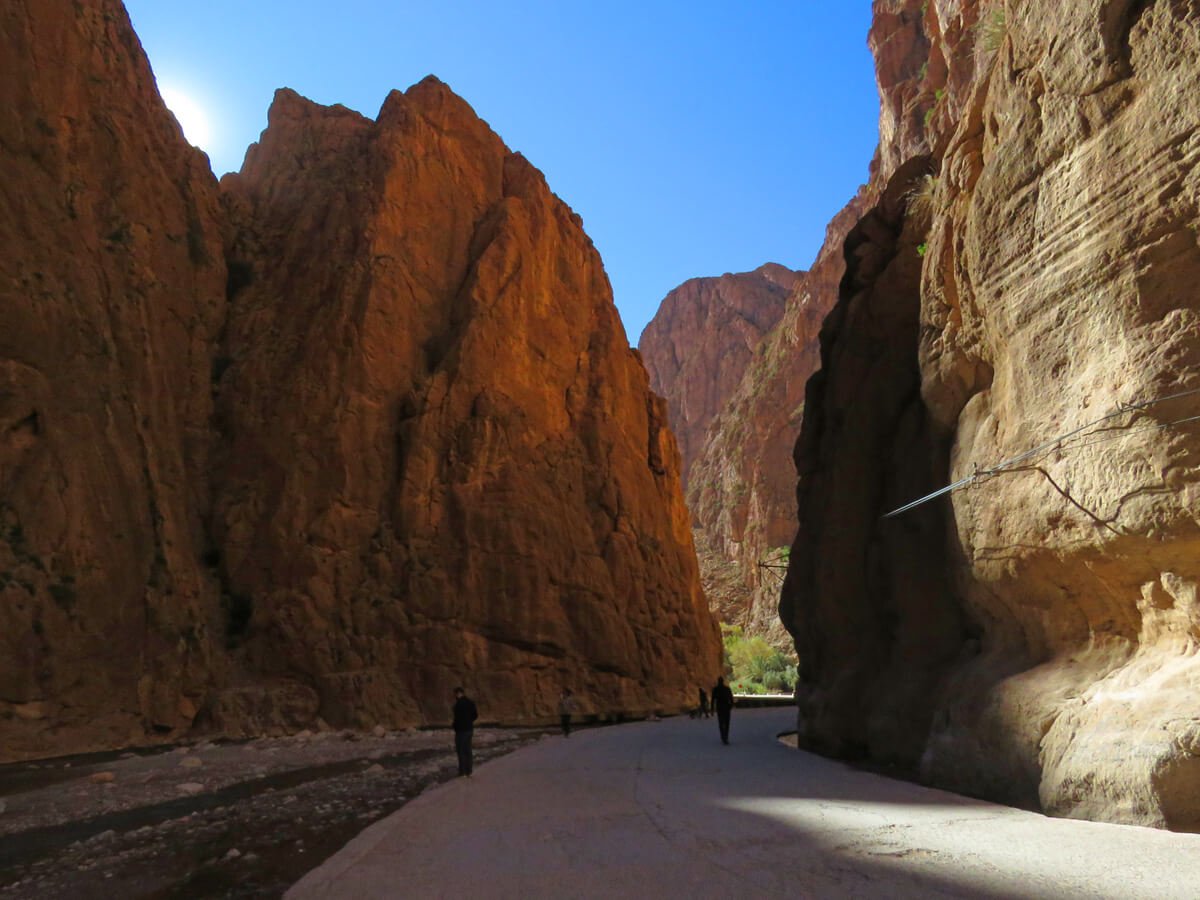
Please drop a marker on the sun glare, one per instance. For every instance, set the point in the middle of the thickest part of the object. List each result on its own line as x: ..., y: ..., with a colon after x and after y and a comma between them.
x: 190, y: 116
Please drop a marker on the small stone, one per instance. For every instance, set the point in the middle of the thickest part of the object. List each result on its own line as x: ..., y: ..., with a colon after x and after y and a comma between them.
x: 191, y: 762
x: 304, y: 735
x: 190, y: 788
x: 375, y: 769
x: 128, y: 756
x: 233, y: 853
x: 105, y: 836
x: 379, y: 731
x: 250, y: 857
x: 102, y: 777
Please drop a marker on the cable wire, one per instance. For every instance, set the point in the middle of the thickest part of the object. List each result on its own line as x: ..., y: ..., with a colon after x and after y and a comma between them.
x: 1057, y: 443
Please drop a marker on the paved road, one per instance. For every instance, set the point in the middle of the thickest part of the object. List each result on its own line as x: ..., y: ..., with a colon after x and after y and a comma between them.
x: 663, y: 809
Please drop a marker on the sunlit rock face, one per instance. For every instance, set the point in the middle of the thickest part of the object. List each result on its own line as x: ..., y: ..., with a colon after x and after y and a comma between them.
x: 742, y: 490
x: 728, y: 365
x: 698, y: 345
x: 112, y: 288
x: 442, y: 461
x: 1031, y: 637
x: 360, y: 427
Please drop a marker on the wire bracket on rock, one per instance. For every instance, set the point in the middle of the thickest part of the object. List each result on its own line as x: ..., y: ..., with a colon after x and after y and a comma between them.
x: 1013, y: 465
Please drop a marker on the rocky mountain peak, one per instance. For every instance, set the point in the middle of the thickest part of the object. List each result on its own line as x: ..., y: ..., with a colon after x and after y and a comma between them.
x: 317, y: 445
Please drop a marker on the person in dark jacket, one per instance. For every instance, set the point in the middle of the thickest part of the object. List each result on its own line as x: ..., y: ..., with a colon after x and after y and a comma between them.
x: 722, y: 701
x: 566, y: 708
x: 465, y: 715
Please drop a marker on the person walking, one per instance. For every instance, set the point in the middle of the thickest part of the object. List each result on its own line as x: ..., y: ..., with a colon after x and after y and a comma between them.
x: 465, y: 714
x: 722, y: 701
x: 566, y: 707
x: 703, y: 711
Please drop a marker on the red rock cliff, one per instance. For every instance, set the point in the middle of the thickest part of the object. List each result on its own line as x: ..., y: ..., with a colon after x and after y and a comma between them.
x: 699, y: 343
x: 443, y: 462
x: 1027, y: 272
x: 431, y: 457
x: 742, y: 491
x: 112, y: 283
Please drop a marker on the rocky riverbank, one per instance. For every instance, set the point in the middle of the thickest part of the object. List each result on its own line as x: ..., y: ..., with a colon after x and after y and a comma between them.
x: 230, y: 819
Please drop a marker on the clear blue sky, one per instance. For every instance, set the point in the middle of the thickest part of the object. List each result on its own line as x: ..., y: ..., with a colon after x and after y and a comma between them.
x: 693, y: 138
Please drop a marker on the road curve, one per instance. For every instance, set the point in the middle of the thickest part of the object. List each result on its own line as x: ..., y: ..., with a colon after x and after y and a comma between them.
x: 663, y: 809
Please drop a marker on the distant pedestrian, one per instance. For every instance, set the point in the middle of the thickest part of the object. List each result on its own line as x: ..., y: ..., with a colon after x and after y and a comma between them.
x: 566, y: 708
x: 465, y: 714
x: 704, y: 704
x: 722, y: 701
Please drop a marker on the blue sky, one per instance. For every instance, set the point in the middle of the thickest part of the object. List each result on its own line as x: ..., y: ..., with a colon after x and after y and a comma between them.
x: 693, y: 138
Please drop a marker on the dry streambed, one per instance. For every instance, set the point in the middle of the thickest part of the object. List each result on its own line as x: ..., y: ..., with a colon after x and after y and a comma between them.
x: 242, y: 819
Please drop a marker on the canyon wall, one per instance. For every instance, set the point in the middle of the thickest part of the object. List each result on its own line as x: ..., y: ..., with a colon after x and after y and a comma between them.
x: 700, y: 342
x: 441, y: 459
x: 731, y: 356
x: 318, y: 444
x: 742, y: 490
x: 112, y: 286
x: 1025, y: 281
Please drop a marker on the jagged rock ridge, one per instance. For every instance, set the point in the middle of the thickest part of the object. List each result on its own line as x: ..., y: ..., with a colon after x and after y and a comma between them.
x: 700, y: 342
x: 731, y: 355
x: 317, y: 445
x: 467, y: 471
x: 1028, y: 268
x: 742, y: 491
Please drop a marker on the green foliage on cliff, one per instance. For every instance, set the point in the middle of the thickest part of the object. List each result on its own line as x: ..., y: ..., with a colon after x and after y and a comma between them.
x: 993, y: 29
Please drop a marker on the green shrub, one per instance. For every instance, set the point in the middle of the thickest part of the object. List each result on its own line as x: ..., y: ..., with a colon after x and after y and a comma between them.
x: 755, y: 666
x: 993, y: 29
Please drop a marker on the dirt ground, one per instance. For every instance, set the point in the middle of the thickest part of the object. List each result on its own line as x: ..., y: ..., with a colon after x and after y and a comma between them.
x: 228, y: 819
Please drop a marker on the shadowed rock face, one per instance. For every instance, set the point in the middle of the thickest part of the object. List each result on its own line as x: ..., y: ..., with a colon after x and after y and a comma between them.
x: 358, y: 427
x: 1030, y: 638
x: 742, y: 491
x: 112, y: 282
x: 731, y: 355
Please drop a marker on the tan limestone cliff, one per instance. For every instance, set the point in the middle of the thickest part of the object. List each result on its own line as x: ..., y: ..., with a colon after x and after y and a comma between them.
x: 1030, y: 637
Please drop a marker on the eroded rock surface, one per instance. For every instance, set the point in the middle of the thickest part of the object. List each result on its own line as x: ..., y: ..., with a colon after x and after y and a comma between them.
x: 734, y: 392
x: 1032, y: 636
x: 442, y: 456
x: 742, y: 490
x: 112, y: 287
x: 321, y: 444
x: 700, y: 342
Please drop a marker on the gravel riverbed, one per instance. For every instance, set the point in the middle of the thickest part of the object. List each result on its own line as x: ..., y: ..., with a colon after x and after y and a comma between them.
x: 228, y: 819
